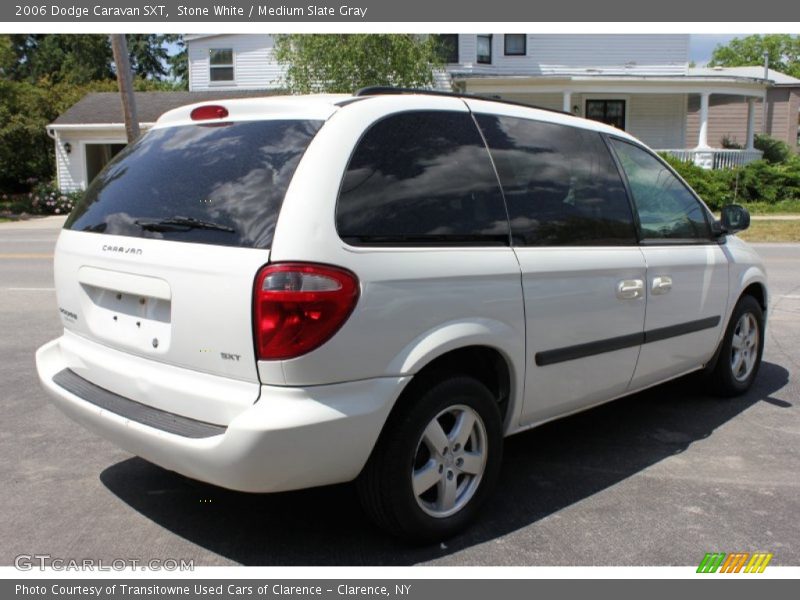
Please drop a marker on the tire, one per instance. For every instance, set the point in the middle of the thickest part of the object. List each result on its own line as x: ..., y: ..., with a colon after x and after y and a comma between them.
x: 740, y: 350
x: 451, y: 482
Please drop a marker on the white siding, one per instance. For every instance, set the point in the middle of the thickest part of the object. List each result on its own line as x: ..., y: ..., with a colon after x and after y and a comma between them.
x: 71, y: 168
x: 551, y: 101
x: 254, y: 67
x: 582, y: 54
x: 658, y: 119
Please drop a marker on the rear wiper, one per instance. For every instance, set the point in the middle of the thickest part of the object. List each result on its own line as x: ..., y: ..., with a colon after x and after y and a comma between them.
x: 179, y: 223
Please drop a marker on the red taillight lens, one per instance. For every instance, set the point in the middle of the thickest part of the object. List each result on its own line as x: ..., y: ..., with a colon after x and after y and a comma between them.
x: 298, y: 307
x: 211, y: 111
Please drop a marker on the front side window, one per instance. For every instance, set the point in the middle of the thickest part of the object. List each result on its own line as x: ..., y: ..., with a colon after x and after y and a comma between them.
x: 560, y: 183
x: 220, y: 64
x: 667, y: 209
x: 421, y: 178
x: 485, y: 49
x: 515, y: 44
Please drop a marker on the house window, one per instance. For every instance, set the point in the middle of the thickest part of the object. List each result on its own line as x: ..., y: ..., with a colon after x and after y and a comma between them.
x: 485, y: 49
x: 447, y: 47
x: 515, y: 44
x: 220, y: 64
x: 610, y: 112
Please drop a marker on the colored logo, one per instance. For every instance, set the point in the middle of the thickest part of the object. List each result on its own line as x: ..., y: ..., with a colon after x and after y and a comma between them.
x: 735, y: 562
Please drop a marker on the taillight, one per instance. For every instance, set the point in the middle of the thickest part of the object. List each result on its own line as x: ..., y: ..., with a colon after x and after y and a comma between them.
x: 299, y: 306
x: 209, y: 111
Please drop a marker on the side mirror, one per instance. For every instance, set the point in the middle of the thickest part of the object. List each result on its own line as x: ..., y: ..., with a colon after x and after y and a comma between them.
x: 734, y: 218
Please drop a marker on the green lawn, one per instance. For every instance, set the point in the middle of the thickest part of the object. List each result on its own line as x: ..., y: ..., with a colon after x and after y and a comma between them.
x: 784, y: 207
x: 772, y: 231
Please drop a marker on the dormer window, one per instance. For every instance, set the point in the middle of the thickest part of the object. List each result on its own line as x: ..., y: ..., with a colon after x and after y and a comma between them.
x: 220, y: 64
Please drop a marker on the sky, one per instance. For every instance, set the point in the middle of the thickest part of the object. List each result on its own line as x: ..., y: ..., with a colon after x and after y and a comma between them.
x: 701, y: 46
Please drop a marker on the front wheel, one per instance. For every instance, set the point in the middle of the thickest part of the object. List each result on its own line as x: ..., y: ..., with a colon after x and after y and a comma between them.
x: 437, y: 460
x: 741, y: 349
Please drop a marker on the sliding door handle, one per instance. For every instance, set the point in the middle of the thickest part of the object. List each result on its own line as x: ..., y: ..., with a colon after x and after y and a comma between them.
x: 627, y: 289
x: 661, y: 285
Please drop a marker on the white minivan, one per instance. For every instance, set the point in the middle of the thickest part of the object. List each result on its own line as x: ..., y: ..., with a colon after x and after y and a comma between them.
x: 279, y: 293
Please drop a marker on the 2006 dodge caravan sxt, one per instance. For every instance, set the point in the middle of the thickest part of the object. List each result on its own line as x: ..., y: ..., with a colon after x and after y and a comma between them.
x: 272, y: 294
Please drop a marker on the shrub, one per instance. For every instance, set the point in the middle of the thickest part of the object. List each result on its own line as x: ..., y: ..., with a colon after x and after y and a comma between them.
x: 758, y: 182
x: 775, y: 151
x: 43, y: 199
x: 714, y: 187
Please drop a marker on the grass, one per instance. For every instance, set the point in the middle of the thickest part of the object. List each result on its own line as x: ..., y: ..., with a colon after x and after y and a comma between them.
x: 784, y: 207
x: 772, y: 231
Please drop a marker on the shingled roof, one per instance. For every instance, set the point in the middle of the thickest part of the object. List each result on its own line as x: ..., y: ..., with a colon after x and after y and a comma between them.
x: 105, y: 107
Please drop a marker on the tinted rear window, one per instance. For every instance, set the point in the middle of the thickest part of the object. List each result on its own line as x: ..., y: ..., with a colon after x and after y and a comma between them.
x: 422, y: 178
x: 234, y: 176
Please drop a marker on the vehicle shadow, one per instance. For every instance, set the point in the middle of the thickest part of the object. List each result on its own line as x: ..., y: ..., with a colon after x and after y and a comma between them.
x: 544, y: 471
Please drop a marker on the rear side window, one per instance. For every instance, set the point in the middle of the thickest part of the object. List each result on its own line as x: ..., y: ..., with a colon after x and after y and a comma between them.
x: 667, y: 209
x: 560, y: 183
x: 421, y: 178
x: 210, y: 184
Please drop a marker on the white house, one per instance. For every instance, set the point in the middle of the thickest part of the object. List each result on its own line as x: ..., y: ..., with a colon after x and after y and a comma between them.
x: 640, y: 83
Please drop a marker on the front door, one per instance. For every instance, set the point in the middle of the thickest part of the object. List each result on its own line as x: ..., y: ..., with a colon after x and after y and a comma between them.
x: 687, y: 270
x: 610, y: 112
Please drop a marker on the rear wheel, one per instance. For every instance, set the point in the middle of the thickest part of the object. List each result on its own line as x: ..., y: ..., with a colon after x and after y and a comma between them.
x: 437, y: 460
x: 741, y: 350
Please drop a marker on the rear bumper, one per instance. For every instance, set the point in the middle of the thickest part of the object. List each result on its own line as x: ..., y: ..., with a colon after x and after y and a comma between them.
x: 291, y: 438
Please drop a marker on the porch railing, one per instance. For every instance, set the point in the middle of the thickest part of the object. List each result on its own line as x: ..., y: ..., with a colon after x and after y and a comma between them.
x: 716, y: 158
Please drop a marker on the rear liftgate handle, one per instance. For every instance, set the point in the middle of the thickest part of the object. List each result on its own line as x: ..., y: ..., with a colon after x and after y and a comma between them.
x: 627, y: 289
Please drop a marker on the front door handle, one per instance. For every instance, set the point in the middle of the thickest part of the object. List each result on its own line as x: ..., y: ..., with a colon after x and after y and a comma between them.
x: 661, y: 285
x: 627, y: 289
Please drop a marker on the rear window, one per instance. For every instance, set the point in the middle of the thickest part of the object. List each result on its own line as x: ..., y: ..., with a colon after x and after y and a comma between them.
x: 209, y: 184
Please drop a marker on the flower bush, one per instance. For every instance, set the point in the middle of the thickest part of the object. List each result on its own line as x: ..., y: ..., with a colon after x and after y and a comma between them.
x: 44, y: 198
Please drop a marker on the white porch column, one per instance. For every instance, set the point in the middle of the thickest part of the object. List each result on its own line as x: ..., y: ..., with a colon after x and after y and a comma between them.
x: 567, y: 101
x: 702, y: 141
x: 751, y: 122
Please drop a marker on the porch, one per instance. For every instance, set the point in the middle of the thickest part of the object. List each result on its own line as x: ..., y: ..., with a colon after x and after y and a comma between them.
x: 679, y: 115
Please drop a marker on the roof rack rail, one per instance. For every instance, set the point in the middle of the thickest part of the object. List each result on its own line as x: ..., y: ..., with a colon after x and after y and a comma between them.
x: 384, y: 90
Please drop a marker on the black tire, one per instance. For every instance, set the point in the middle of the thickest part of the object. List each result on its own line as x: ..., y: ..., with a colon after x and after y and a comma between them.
x: 723, y: 381
x: 385, y: 485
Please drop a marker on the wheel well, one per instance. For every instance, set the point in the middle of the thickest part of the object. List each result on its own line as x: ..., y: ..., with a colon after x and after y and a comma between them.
x: 756, y: 290
x: 484, y: 363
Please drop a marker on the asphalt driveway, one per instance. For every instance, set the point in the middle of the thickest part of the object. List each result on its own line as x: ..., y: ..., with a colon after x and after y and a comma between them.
x: 659, y: 478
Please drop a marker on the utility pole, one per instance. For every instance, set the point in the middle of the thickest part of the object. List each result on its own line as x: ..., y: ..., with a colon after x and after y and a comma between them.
x: 766, y: 79
x: 122, y: 62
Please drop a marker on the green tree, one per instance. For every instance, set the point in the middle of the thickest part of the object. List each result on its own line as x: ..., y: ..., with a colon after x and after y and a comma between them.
x: 344, y: 63
x: 81, y: 58
x: 69, y: 58
x: 179, y: 62
x: 148, y: 55
x: 783, y: 51
x: 7, y: 56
